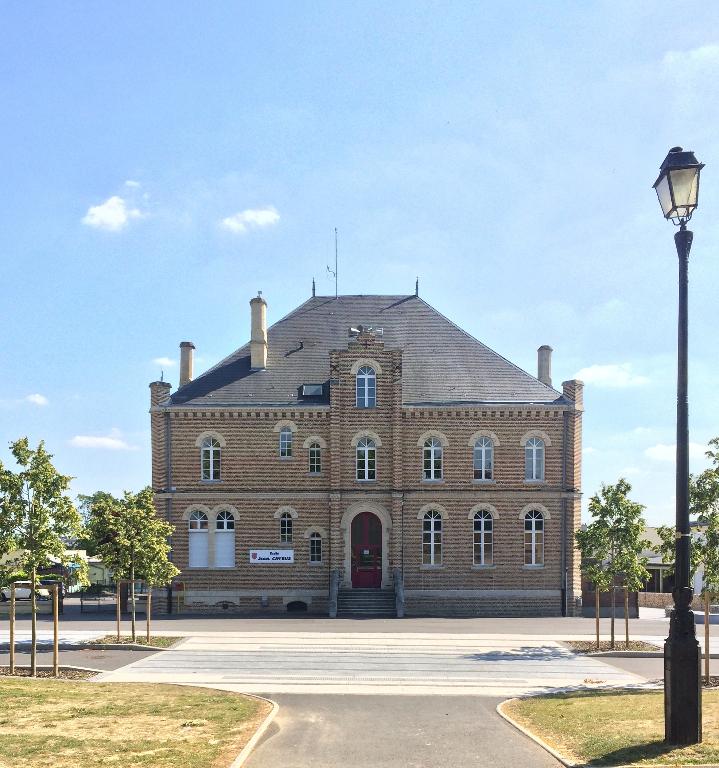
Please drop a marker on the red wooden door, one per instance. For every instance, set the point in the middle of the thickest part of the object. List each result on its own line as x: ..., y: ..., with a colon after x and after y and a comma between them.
x: 366, y: 551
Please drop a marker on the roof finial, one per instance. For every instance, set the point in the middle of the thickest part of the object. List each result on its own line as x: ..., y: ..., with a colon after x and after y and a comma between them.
x: 313, y: 287
x: 416, y: 286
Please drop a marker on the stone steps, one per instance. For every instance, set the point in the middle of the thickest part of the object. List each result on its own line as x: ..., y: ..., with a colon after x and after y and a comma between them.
x: 366, y: 602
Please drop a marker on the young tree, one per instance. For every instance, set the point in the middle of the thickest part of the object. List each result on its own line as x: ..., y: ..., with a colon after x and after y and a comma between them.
x: 619, y: 526
x: 704, y: 507
x: 594, y: 547
x: 35, y: 517
x: 131, y: 539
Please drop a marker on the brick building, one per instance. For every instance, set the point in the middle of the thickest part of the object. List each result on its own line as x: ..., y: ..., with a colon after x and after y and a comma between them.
x: 366, y: 454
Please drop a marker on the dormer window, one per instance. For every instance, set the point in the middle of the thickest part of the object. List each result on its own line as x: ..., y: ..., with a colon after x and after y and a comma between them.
x: 366, y: 387
x: 312, y: 390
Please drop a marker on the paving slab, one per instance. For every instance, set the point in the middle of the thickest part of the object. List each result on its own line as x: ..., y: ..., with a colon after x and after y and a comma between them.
x: 428, y: 664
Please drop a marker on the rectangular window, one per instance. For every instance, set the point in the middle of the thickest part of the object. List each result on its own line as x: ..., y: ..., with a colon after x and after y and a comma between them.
x: 312, y: 390
x: 285, y: 529
x: 315, y: 548
x: 315, y: 459
x: 285, y: 443
x: 534, y: 547
x: 432, y: 542
x: 482, y: 543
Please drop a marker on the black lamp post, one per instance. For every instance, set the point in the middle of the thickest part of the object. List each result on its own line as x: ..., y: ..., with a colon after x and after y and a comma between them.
x: 678, y: 191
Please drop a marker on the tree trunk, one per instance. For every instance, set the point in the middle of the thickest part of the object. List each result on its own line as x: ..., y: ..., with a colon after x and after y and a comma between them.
x: 707, y: 653
x: 118, y: 588
x: 12, y: 628
x: 33, y: 613
x: 55, y: 628
x: 132, y: 601
x: 596, y: 612
x: 614, y: 592
x: 149, y: 612
x: 626, y: 618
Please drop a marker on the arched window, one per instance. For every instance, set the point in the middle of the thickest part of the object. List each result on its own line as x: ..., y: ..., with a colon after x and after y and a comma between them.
x: 210, y: 459
x: 198, y: 540
x: 366, y: 384
x: 534, y: 459
x: 534, y: 538
x: 315, y: 459
x: 432, y: 538
x: 483, y: 459
x: 483, y: 534
x: 366, y: 459
x: 315, y: 548
x: 225, y: 540
x: 285, y: 527
x: 285, y: 443
x: 432, y: 453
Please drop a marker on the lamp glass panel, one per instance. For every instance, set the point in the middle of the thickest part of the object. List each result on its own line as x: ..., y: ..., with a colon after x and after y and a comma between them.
x: 664, y: 195
x: 685, y: 185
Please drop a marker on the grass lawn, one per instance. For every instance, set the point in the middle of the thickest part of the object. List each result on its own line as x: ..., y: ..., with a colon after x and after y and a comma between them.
x: 156, y: 641
x: 64, y: 724
x: 614, y: 728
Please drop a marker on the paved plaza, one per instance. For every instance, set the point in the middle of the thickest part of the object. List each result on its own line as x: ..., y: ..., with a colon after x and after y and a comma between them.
x: 398, y: 664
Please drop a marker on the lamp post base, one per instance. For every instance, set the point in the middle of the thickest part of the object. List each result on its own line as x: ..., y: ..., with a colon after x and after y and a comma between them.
x: 682, y: 681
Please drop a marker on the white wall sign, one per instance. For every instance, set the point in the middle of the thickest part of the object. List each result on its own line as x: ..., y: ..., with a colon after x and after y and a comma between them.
x: 272, y: 555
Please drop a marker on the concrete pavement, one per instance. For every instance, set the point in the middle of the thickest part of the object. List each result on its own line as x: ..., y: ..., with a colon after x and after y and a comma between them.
x: 396, y: 664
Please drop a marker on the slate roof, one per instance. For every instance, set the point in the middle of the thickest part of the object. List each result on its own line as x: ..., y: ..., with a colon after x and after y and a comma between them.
x: 441, y: 363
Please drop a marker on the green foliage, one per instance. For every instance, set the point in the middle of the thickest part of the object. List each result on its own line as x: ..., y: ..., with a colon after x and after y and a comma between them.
x: 129, y: 536
x: 611, y: 545
x: 36, y: 515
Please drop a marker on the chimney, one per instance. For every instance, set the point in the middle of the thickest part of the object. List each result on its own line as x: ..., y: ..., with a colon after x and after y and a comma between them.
x: 186, y: 349
x: 258, y: 336
x: 544, y: 364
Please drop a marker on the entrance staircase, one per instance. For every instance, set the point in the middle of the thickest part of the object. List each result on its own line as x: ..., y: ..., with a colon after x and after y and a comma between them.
x: 366, y: 602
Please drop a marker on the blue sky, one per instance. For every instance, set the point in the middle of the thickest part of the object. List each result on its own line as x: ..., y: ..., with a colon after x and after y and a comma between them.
x: 163, y: 161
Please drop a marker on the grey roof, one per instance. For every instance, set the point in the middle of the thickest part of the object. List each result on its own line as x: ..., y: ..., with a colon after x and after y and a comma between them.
x: 441, y: 363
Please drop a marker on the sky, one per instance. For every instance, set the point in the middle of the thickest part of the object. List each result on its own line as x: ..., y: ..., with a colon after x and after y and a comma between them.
x: 162, y: 162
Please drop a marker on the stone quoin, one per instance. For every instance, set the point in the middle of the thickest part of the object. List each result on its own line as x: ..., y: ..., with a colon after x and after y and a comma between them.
x: 366, y: 447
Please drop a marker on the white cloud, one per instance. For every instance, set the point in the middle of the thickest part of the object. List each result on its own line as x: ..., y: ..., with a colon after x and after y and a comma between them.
x: 252, y: 218
x: 611, y: 376
x: 37, y: 399
x: 168, y: 362
x: 132, y: 184
x: 684, y: 62
x: 588, y: 451
x: 112, y: 442
x: 112, y: 215
x: 666, y: 452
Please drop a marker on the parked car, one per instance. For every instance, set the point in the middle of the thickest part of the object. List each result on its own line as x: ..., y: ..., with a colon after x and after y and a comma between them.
x: 22, y: 592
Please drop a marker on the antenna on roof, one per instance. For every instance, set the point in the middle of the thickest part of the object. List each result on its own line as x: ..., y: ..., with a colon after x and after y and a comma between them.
x: 416, y: 286
x: 162, y: 375
x: 335, y: 269
x: 313, y: 287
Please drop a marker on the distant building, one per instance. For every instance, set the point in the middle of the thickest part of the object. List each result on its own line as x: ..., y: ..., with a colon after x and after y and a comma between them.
x: 366, y: 452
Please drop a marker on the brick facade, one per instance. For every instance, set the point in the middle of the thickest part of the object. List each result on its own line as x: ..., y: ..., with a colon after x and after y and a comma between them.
x: 256, y: 483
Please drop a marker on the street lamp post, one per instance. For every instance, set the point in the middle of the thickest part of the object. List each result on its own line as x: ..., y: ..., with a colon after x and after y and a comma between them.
x: 678, y: 191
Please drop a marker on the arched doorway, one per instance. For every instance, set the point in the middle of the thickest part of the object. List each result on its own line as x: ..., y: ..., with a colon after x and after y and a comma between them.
x: 366, y: 541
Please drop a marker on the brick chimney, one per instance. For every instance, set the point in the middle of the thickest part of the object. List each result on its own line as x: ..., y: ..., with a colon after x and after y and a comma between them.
x: 186, y: 362
x: 544, y: 364
x: 258, y: 336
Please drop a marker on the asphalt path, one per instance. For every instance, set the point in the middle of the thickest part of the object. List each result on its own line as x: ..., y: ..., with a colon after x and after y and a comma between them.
x: 394, y: 732
x: 86, y: 657
x: 556, y: 627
